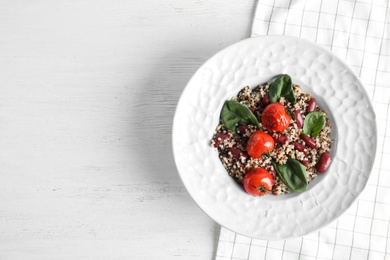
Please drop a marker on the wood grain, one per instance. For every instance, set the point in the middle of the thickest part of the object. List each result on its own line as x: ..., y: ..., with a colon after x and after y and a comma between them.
x: 87, y: 97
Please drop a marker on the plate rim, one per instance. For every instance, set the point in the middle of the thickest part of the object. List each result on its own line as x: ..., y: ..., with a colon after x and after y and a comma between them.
x: 325, y: 50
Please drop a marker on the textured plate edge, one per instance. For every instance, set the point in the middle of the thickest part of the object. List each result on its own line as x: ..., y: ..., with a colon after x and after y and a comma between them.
x: 341, y: 212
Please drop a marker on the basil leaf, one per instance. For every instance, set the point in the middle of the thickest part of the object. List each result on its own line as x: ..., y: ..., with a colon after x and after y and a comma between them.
x: 282, y: 86
x: 234, y: 113
x: 313, y: 124
x: 293, y: 174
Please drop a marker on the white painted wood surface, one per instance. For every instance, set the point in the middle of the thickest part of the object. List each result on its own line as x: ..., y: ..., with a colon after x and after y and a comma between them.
x: 88, y: 91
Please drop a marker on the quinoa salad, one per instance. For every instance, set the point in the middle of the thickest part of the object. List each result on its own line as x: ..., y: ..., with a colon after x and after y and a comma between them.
x: 273, y: 138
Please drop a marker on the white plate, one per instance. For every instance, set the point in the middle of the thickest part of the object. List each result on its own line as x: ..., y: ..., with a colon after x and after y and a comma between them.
x: 337, y: 90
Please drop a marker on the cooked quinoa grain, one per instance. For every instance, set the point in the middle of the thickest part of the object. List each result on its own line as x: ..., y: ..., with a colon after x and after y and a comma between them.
x: 232, y: 146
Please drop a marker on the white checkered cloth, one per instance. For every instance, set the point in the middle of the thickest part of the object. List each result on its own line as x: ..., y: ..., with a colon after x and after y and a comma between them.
x: 359, y: 33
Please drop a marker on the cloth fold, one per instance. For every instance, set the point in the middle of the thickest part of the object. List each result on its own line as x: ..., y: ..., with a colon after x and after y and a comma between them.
x: 357, y: 32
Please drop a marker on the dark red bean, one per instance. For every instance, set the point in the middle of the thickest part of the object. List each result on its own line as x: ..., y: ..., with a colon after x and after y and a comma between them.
x: 281, y: 139
x: 311, y: 105
x: 242, y: 129
x: 237, y: 153
x: 309, y: 141
x: 305, y: 162
x: 324, y: 162
x: 265, y: 100
x: 219, y: 138
x: 298, y: 118
x: 300, y: 147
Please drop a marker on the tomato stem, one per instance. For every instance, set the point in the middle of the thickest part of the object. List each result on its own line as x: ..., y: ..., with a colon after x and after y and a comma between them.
x: 262, y: 188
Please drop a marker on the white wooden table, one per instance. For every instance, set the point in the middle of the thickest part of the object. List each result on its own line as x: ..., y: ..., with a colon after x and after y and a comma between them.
x: 88, y: 91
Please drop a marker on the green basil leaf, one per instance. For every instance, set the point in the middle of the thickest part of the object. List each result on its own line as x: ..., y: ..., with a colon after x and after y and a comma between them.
x: 313, y: 124
x: 282, y: 86
x: 234, y: 113
x: 293, y: 174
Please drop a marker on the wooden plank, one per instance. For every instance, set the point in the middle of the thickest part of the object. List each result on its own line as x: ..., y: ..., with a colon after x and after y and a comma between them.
x: 88, y: 92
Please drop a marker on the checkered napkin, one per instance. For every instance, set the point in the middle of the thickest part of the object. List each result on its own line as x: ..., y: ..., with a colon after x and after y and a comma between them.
x: 358, y: 32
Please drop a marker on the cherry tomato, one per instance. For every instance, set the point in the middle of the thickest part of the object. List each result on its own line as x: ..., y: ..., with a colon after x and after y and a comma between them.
x: 259, y: 143
x: 275, y: 117
x: 258, y: 182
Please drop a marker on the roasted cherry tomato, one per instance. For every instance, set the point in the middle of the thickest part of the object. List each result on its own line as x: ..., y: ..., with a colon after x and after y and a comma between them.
x: 258, y: 182
x: 275, y: 117
x: 259, y: 143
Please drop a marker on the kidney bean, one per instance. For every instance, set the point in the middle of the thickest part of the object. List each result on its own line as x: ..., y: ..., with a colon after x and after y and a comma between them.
x: 281, y: 139
x: 300, y: 147
x: 242, y: 129
x: 324, y: 162
x: 219, y: 138
x: 311, y: 105
x: 305, y: 162
x: 298, y: 118
x: 237, y: 153
x: 265, y: 100
x: 309, y: 141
